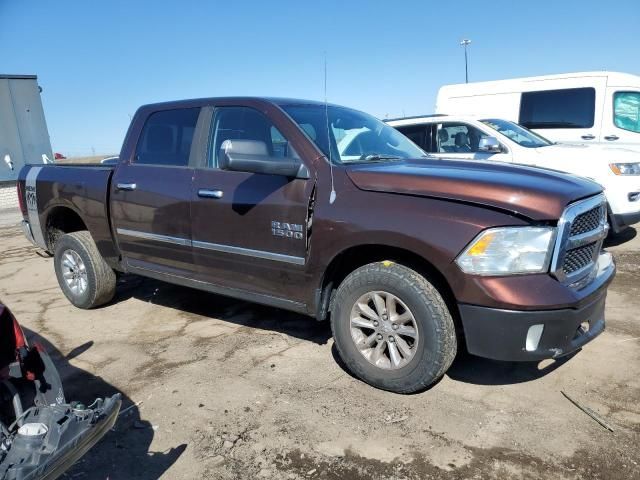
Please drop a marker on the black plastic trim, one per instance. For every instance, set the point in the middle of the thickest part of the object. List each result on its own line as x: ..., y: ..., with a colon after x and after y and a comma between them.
x: 501, y: 334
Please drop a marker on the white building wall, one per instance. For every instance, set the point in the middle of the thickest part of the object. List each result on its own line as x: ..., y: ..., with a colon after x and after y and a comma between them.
x: 8, y: 197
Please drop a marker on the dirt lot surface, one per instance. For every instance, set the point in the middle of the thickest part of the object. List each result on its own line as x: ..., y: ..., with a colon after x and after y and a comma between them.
x: 228, y: 389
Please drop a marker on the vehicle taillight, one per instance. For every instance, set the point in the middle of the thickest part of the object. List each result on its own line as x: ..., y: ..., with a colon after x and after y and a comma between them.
x: 21, y: 341
x: 21, y: 199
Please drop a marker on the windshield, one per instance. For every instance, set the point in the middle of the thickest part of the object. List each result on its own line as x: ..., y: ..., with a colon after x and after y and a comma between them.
x: 519, y: 134
x: 352, y: 136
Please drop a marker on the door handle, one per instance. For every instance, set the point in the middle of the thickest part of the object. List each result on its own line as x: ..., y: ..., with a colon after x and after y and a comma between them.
x: 126, y: 186
x: 611, y: 137
x: 588, y: 137
x: 207, y: 193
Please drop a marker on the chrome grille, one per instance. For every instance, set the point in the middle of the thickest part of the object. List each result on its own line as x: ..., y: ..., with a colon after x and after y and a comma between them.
x: 581, y: 231
x: 587, y: 221
x: 578, y: 258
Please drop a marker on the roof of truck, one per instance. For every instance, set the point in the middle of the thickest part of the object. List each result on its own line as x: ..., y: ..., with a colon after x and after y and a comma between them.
x: 244, y: 99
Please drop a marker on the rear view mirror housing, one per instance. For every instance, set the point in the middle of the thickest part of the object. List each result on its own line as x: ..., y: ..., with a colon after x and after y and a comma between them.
x: 490, y: 145
x: 252, y: 156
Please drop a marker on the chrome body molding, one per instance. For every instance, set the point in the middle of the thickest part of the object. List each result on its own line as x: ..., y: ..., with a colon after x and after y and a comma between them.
x: 277, y: 257
x: 154, y: 236
x: 248, y: 252
x: 565, y: 242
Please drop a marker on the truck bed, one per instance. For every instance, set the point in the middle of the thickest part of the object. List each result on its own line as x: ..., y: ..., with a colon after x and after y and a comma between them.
x: 82, y: 188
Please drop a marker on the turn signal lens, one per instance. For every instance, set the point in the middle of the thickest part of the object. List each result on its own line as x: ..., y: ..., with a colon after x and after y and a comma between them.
x: 625, y: 168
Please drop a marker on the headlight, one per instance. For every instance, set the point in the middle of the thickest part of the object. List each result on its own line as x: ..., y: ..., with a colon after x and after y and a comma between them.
x: 508, y: 250
x: 625, y: 168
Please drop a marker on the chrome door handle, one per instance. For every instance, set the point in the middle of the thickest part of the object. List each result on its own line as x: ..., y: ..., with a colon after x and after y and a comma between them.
x: 588, y: 137
x: 611, y: 137
x: 207, y: 193
x: 126, y: 186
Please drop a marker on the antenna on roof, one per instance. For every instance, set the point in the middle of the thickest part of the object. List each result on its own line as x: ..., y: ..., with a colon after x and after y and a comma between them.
x: 332, y: 195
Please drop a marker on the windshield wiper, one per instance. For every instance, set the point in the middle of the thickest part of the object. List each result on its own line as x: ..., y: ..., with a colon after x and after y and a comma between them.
x: 375, y: 157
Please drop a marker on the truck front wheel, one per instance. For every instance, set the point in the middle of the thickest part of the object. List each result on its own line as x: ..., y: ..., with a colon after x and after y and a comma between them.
x: 84, y: 277
x: 392, y: 328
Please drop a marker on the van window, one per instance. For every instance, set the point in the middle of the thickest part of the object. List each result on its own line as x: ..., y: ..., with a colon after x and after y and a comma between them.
x: 567, y: 108
x: 166, y: 137
x: 626, y: 111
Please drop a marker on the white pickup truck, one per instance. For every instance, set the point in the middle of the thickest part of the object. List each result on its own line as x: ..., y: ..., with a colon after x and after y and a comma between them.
x: 463, y: 137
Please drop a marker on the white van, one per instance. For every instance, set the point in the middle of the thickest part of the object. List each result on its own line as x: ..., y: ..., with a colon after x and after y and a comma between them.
x: 588, y: 107
x: 492, y: 139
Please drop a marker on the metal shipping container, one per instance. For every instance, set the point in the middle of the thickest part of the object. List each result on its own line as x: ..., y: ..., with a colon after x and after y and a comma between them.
x: 24, y: 137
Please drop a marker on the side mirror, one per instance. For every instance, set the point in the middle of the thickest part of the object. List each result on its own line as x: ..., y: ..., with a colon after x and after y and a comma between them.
x: 489, y: 144
x: 252, y: 156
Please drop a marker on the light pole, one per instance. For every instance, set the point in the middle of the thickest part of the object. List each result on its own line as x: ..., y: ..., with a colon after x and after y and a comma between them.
x: 465, y: 43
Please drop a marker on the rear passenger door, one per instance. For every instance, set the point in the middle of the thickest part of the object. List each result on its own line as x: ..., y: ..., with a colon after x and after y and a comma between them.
x: 250, y: 229
x: 151, y: 195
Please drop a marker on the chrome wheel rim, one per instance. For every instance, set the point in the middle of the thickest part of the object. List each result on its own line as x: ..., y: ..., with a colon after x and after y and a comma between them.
x: 384, y: 330
x: 74, y: 272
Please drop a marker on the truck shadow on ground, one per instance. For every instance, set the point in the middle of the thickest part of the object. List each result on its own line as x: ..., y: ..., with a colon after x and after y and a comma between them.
x: 466, y: 368
x: 474, y: 370
x: 124, y: 452
x: 198, y: 303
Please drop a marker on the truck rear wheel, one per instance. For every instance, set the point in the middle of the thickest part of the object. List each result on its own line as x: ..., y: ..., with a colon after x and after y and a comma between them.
x: 84, y: 277
x: 392, y: 328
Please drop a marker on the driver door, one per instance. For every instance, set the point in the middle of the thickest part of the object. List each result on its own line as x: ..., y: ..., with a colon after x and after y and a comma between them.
x: 249, y: 229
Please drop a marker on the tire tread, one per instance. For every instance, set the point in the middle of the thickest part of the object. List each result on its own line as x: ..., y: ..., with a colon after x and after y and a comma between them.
x: 445, y: 329
x: 102, y: 285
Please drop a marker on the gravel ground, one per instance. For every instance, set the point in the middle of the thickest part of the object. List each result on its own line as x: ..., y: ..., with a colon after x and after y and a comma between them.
x: 230, y: 390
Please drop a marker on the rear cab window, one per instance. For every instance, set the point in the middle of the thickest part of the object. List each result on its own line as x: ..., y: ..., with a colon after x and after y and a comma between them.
x: 565, y: 108
x: 167, y: 137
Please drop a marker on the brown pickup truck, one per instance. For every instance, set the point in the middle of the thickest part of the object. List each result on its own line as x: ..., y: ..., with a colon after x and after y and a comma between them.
x: 410, y: 257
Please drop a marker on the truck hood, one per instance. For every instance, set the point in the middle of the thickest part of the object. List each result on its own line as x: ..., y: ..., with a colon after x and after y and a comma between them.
x: 535, y: 193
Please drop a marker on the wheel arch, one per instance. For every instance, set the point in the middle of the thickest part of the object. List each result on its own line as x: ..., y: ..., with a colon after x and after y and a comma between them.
x: 348, y: 260
x: 59, y: 220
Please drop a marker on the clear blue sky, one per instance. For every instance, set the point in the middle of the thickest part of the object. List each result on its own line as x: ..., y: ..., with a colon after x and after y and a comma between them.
x: 98, y: 61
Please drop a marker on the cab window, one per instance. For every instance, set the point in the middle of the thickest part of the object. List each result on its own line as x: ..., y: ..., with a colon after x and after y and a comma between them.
x: 245, y: 123
x: 626, y: 111
x: 166, y: 138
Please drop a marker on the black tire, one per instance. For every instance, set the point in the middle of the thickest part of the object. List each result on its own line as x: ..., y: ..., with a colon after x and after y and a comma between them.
x: 101, y: 279
x: 434, y: 352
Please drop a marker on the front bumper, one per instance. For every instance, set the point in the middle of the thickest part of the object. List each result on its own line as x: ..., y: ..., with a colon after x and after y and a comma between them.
x: 530, y: 335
